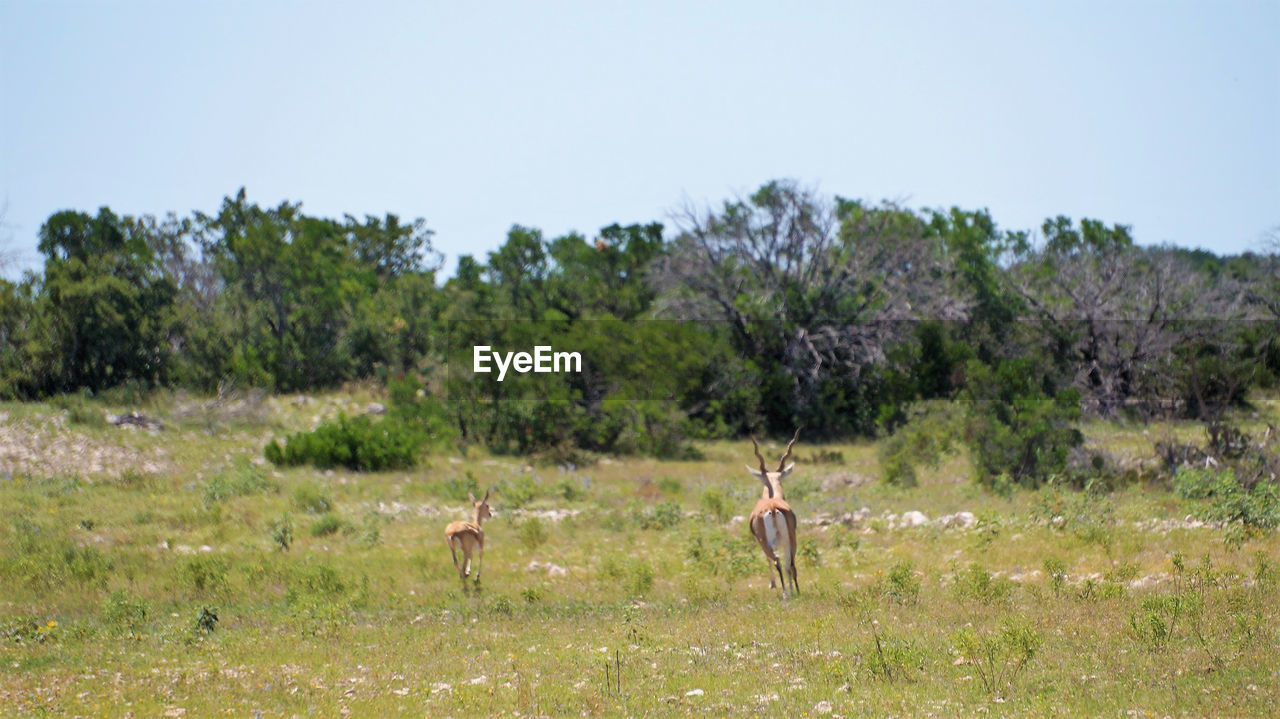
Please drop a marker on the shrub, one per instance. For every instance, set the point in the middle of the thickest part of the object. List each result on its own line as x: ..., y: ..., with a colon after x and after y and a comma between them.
x: 640, y: 578
x: 532, y: 532
x: 206, y: 620
x: 1088, y: 514
x: 891, y: 659
x: 310, y: 499
x: 808, y: 552
x: 124, y: 610
x: 357, y: 443
x: 206, y: 574
x: 1227, y: 500
x: 1157, y: 621
x: 927, y: 438
x: 720, y: 552
x: 328, y: 523
x: 80, y: 411
x: 824, y: 456
x: 979, y: 584
x: 239, y: 481
x: 282, y: 532
x: 670, y: 486
x: 458, y: 488
x: 317, y: 581
x: 520, y: 490
x: 663, y: 516
x: 569, y: 490
x: 903, y: 585
x: 999, y: 658
x: 716, y: 504
x: 1056, y: 569
x: 42, y: 558
x: 1014, y: 427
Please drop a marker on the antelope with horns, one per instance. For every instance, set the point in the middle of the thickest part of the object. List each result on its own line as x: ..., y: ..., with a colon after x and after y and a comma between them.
x: 772, y: 522
x: 469, y: 537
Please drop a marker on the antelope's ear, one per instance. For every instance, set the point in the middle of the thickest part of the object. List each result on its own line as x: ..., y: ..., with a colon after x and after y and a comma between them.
x: 754, y: 472
x: 786, y: 470
x: 486, y: 496
x: 471, y: 497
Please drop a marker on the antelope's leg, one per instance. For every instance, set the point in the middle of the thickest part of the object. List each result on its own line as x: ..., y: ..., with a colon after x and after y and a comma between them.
x: 761, y: 534
x: 778, y: 566
x: 479, y: 560
x: 454, y: 553
x: 790, y: 535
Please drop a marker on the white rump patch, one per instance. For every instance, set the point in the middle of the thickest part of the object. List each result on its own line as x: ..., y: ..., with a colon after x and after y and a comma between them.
x: 775, y: 532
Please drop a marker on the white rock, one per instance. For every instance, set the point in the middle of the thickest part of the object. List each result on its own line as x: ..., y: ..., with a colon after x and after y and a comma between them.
x: 914, y: 519
x: 694, y: 693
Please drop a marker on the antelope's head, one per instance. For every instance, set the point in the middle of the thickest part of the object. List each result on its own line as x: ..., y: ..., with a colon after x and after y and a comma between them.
x: 772, y: 480
x: 481, y: 507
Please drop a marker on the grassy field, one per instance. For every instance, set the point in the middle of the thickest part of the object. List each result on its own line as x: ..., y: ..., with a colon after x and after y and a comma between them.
x: 175, y: 573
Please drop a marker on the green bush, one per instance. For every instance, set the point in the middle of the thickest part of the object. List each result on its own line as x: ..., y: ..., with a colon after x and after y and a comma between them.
x: 1056, y: 569
x: 640, y: 578
x: 663, y: 516
x: 282, y: 532
x: 310, y: 499
x: 999, y: 658
x: 930, y: 434
x: 357, y: 443
x: 569, y: 490
x: 1224, y: 499
x: 125, y: 611
x: 520, y: 490
x: 892, y: 659
x: 1089, y: 514
x: 1014, y: 426
x: 721, y: 553
x: 1228, y: 501
x: 328, y: 523
x: 532, y: 532
x: 239, y: 481
x: 44, y: 558
x: 903, y: 585
x: 206, y: 574
x: 979, y: 584
x: 670, y: 486
x: 717, y: 504
x: 457, y: 489
x: 1157, y: 622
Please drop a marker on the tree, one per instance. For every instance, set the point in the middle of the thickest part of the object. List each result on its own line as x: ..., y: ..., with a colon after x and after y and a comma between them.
x: 106, y: 300
x: 813, y: 291
x: 306, y: 295
x: 1115, y: 313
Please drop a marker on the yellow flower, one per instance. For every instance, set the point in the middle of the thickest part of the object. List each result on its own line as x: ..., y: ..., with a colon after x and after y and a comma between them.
x: 52, y: 623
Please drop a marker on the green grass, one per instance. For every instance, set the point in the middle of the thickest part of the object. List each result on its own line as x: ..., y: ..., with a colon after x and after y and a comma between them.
x: 112, y: 572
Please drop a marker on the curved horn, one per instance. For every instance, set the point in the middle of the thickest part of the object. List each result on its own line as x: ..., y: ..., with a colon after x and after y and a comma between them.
x: 756, y: 447
x: 783, y: 462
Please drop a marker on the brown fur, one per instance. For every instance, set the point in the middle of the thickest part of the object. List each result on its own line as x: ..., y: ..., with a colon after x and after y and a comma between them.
x: 771, y: 501
x: 469, y: 538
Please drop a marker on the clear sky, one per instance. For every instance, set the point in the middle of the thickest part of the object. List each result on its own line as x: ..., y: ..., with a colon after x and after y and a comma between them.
x: 574, y: 115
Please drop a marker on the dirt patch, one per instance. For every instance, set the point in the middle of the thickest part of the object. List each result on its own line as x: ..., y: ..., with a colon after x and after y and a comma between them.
x: 45, y: 447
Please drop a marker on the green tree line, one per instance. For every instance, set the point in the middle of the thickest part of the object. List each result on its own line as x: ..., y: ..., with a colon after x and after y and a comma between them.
x: 770, y: 311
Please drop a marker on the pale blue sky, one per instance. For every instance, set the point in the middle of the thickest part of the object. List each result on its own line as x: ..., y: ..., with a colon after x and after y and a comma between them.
x: 573, y: 115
